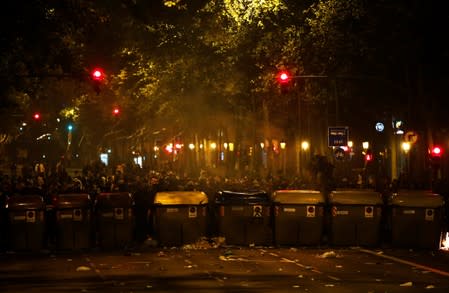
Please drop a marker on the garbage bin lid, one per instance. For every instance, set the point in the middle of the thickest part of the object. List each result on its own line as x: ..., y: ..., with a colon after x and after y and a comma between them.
x: 180, y: 198
x: 355, y: 197
x: 424, y: 199
x: 256, y: 196
x: 72, y: 200
x: 114, y: 199
x: 24, y: 202
x: 298, y: 196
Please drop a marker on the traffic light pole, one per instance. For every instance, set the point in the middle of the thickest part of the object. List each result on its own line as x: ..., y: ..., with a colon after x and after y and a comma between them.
x: 284, y: 78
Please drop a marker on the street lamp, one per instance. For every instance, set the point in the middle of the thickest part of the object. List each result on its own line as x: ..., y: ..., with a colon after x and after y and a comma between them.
x: 406, y: 146
x: 305, y: 145
x: 283, y: 145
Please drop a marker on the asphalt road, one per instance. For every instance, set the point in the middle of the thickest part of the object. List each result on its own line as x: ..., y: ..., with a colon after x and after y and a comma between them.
x: 228, y: 269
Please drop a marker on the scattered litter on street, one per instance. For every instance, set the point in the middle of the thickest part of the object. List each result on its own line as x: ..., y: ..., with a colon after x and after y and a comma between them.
x: 83, y: 269
x: 406, y: 284
x: 328, y: 254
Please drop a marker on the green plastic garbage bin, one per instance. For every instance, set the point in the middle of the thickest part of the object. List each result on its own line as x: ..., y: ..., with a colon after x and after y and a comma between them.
x: 298, y: 217
x: 180, y: 217
x: 73, y: 216
x: 245, y: 217
x: 417, y: 219
x: 26, y: 219
x: 114, y: 220
x: 356, y: 217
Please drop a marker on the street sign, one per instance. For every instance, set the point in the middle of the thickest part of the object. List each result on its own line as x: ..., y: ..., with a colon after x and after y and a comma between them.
x: 338, y: 136
x: 380, y: 127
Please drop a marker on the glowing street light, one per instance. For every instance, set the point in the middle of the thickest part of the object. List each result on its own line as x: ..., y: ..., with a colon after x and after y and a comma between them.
x: 305, y: 145
x: 406, y: 146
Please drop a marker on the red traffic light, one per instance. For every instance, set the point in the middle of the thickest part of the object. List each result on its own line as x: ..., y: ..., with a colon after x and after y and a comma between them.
x: 115, y: 111
x: 368, y: 157
x: 98, y: 74
x: 37, y: 116
x: 436, y: 151
x: 283, y: 77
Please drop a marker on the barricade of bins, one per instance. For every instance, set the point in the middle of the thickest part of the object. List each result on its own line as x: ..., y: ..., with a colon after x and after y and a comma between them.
x: 25, y: 228
x: 245, y: 217
x: 416, y: 219
x: 71, y: 227
x: 180, y: 217
x: 114, y: 220
x: 355, y: 218
x: 298, y: 217
x: 68, y: 222
x: 411, y: 219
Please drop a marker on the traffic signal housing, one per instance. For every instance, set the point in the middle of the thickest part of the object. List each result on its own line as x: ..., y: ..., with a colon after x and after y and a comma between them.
x: 368, y: 157
x: 116, y: 111
x: 435, y: 154
x: 37, y: 116
x: 284, y: 80
x: 283, y: 77
x: 97, y: 76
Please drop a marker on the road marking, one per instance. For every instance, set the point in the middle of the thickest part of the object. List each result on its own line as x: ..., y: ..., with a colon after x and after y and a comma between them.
x: 309, y: 268
x: 406, y: 262
x: 334, y: 278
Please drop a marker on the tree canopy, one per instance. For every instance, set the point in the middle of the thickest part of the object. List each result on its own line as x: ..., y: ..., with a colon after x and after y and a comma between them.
x: 197, y: 66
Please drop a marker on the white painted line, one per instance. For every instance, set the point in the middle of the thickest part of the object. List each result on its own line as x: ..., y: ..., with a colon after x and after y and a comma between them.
x: 309, y: 268
x: 406, y: 262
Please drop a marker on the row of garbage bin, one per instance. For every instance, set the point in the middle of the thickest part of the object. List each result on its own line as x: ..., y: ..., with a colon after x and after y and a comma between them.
x: 287, y: 217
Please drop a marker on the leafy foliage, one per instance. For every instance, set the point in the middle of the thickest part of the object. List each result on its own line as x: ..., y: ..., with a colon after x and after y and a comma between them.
x: 197, y: 66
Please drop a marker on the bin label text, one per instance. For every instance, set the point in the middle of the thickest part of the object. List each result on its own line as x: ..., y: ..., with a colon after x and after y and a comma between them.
x: 289, y: 210
x: 65, y: 216
x: 19, y: 218
x: 239, y: 209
